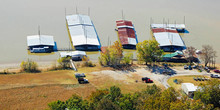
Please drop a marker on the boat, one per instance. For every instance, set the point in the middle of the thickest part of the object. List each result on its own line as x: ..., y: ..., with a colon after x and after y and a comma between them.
x: 127, y: 34
x: 41, y: 44
x: 82, y: 33
x: 75, y: 55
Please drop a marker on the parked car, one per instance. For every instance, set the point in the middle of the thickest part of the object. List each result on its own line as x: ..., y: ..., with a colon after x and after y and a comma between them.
x: 195, y: 66
x: 217, y: 71
x: 147, y: 80
x: 185, y: 67
x: 82, y: 80
x: 214, y: 76
x: 190, y: 68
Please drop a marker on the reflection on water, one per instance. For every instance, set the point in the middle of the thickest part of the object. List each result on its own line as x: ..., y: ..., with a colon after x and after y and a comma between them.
x: 20, y: 18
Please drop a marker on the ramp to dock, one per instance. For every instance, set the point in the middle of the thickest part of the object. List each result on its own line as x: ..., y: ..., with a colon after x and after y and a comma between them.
x: 73, y: 65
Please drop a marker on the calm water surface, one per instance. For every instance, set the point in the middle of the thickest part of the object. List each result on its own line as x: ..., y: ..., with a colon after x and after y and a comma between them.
x: 20, y: 18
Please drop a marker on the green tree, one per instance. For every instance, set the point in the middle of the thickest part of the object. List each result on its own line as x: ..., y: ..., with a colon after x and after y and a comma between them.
x: 115, y: 93
x: 76, y: 102
x: 128, y: 101
x: 148, y: 51
x: 209, y: 93
x: 106, y: 104
x: 96, y: 96
x: 29, y: 66
x: 57, y: 105
x: 178, y: 105
x: 127, y: 59
x: 152, y: 90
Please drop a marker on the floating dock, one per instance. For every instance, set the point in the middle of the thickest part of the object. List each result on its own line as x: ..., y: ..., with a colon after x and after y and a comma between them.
x: 82, y: 33
x: 41, y: 44
x: 127, y: 34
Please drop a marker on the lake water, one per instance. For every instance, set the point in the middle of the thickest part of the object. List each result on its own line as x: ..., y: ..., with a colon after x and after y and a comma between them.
x: 20, y: 18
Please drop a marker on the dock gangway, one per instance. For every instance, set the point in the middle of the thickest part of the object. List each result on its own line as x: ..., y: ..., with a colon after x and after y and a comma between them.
x: 73, y: 65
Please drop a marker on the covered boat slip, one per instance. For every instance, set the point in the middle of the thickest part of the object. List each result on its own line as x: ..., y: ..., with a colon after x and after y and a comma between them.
x: 127, y: 34
x: 41, y: 44
x: 82, y: 33
x: 169, y: 39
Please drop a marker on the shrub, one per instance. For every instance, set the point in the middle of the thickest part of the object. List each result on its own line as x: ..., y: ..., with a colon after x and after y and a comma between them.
x: 127, y: 59
x: 87, y: 63
x: 29, y: 66
x: 64, y: 62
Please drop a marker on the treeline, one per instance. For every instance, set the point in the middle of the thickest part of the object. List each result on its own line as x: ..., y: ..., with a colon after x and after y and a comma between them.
x: 152, y: 98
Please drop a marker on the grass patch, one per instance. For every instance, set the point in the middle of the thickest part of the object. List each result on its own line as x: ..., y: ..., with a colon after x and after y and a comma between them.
x: 185, y: 79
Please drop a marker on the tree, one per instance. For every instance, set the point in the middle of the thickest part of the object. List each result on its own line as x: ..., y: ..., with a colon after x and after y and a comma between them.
x: 64, y: 62
x: 128, y: 101
x: 208, y: 54
x: 127, y: 59
x: 190, y: 52
x: 57, y: 105
x: 106, y: 104
x: 148, y: 51
x: 29, y: 66
x: 209, y: 93
x: 112, y: 56
x: 76, y: 102
x: 115, y: 93
x: 96, y: 96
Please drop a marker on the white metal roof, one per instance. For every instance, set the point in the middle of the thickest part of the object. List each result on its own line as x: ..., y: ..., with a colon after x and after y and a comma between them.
x: 72, y: 53
x: 189, y: 86
x: 82, y: 30
x: 40, y: 40
x: 125, y: 26
x: 169, y: 39
x: 132, y: 41
x: 175, y: 26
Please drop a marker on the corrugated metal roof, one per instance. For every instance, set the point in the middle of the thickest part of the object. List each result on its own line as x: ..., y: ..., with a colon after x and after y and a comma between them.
x: 189, y: 86
x: 35, y: 40
x: 126, y: 32
x: 82, y: 30
x: 175, y: 26
x: 168, y: 37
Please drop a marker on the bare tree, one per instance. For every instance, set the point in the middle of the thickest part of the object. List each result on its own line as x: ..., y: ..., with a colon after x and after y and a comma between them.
x: 190, y: 54
x: 208, y: 54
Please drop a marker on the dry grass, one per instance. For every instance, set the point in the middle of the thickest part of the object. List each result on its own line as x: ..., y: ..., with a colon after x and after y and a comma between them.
x: 37, y: 97
x: 35, y: 91
x: 185, y: 79
x: 27, y: 79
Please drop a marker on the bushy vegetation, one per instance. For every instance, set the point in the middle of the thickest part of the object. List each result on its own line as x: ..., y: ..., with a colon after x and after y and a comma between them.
x: 151, y: 98
x: 209, y: 93
x: 64, y: 63
x: 149, y: 51
x: 29, y: 66
x: 87, y: 63
x: 113, y: 56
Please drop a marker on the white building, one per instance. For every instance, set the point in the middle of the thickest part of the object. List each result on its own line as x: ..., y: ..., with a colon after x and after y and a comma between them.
x: 189, y: 89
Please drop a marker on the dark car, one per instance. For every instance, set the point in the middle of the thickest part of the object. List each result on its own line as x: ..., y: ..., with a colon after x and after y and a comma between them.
x: 190, y: 68
x: 217, y: 71
x: 147, y: 80
x: 185, y: 67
